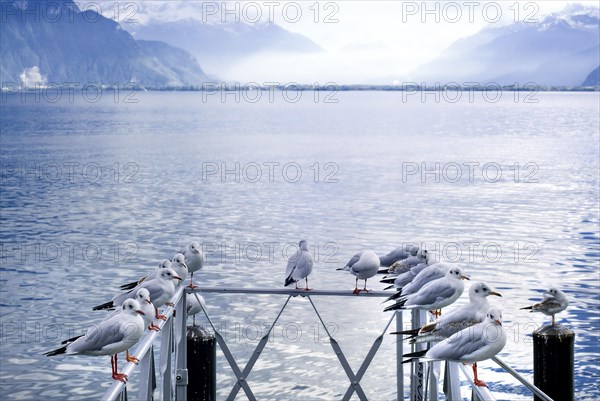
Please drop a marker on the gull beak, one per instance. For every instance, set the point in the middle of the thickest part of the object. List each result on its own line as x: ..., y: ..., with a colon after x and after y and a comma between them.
x: 140, y: 312
x: 177, y: 278
x: 184, y: 265
x: 495, y: 293
x: 148, y: 301
x: 463, y: 277
x: 499, y: 322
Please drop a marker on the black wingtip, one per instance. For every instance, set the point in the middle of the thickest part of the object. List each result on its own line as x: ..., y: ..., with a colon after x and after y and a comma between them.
x: 383, y: 271
x: 526, y: 308
x: 387, y: 280
x: 412, y: 332
x: 129, y: 286
x: 57, y: 351
x: 415, y: 355
x: 70, y: 340
x: 106, y: 305
x: 288, y: 281
x: 397, y: 295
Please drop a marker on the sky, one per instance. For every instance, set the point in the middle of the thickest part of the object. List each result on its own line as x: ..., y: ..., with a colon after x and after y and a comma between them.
x: 364, y: 41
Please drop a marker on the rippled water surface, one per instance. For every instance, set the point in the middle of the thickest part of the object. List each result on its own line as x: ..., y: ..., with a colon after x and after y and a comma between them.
x: 95, y: 194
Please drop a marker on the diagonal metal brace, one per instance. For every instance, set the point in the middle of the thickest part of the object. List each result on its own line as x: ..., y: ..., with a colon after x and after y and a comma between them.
x: 231, y: 359
x: 368, y: 359
x: 256, y: 354
x: 354, y: 381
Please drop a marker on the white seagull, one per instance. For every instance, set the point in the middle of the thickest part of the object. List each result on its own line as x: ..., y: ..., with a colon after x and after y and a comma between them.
x: 299, y: 266
x: 194, y: 259
x: 397, y: 254
x: 403, y: 279
x: 363, y: 265
x: 161, y: 290
x: 471, y: 345
x: 194, y: 305
x: 178, y: 264
x: 554, y: 301
x: 404, y: 265
x: 436, y: 294
x: 456, y: 320
x: 116, y: 334
x: 428, y: 274
x: 162, y: 265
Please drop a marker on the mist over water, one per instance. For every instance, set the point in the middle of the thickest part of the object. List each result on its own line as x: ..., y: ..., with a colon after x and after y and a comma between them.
x: 94, y: 195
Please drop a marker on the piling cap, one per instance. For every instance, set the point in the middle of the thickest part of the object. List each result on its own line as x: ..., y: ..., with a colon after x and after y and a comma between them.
x: 198, y: 332
x: 554, y: 331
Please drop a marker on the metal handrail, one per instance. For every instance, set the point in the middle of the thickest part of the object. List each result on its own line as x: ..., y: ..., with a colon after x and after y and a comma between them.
x: 144, y: 351
x: 117, y: 388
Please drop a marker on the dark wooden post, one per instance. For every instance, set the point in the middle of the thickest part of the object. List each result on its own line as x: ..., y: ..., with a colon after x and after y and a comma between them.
x: 202, y: 365
x: 553, y: 362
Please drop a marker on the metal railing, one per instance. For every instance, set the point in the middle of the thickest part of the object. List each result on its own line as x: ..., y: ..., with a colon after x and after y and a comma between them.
x: 424, y: 376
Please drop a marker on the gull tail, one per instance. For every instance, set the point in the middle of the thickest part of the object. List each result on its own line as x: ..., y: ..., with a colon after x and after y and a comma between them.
x: 412, y: 332
x: 397, y: 305
x: 414, y: 356
x: 129, y: 286
x: 58, y: 351
x: 70, y: 340
x: 397, y: 295
x: 527, y: 307
x: 106, y: 305
x: 289, y: 281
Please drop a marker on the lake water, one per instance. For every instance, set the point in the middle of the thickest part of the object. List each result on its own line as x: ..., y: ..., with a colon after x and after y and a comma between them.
x: 95, y: 194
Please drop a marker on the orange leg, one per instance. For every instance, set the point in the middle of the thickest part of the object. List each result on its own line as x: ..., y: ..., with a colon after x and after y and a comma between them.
x: 365, y: 287
x: 192, y: 281
x: 115, y: 374
x: 477, y: 382
x: 153, y: 327
x: 161, y: 317
x: 131, y: 358
x: 356, y: 290
x: 306, y: 287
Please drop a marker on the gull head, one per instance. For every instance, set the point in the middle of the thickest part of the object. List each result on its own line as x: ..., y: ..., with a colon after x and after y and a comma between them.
x: 131, y: 307
x: 169, y: 274
x: 481, y: 290
x: 495, y: 315
x: 179, y: 260
x: 164, y: 264
x: 195, y: 248
x: 552, y: 292
x: 142, y: 295
x: 457, y: 273
x: 303, y: 245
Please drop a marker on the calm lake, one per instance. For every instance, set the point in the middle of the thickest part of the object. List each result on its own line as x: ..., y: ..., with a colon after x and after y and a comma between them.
x: 95, y: 194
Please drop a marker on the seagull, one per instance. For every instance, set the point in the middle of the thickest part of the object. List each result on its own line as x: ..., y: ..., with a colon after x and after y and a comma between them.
x: 554, y: 301
x: 161, y: 290
x: 458, y: 319
x: 116, y: 334
x: 194, y: 305
x: 403, y: 279
x: 436, y: 294
x: 194, y: 259
x: 471, y: 345
x: 142, y: 295
x: 428, y: 274
x: 363, y: 265
x: 299, y: 266
x: 178, y: 264
x: 162, y: 265
x: 397, y: 254
x: 404, y: 265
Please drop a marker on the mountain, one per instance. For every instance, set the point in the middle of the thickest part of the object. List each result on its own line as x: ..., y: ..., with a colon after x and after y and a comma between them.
x: 593, y: 79
x: 58, y: 43
x: 219, y: 45
x: 560, y: 50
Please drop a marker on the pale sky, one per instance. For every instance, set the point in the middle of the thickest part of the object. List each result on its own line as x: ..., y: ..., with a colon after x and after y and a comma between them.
x: 363, y: 40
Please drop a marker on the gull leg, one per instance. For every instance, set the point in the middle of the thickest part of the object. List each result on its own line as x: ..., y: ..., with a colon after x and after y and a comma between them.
x: 553, y: 322
x: 153, y: 327
x: 116, y: 375
x: 156, y: 315
x: 356, y: 290
x: 192, y: 281
x: 170, y: 304
x: 476, y: 381
x: 306, y: 286
x: 296, y: 283
x: 131, y: 358
x: 365, y: 287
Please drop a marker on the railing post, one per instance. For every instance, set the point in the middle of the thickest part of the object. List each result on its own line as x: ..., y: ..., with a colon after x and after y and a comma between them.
x: 399, y: 353
x: 166, y: 351
x: 147, y: 376
x: 202, y: 365
x: 417, y: 368
x: 181, y: 373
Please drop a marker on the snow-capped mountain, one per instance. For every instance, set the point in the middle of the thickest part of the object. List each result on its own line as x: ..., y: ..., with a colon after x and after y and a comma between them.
x: 561, y: 49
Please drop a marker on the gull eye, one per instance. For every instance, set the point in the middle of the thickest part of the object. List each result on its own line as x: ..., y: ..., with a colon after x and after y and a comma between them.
x: 477, y: 291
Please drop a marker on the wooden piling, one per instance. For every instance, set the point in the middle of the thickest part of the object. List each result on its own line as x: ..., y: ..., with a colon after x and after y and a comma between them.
x: 553, y: 362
